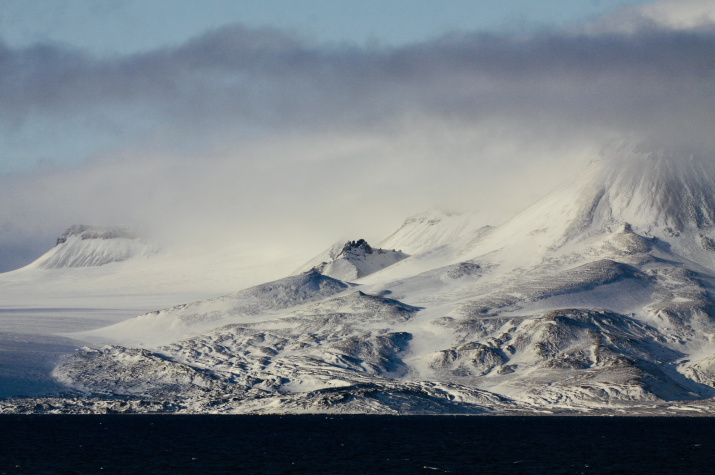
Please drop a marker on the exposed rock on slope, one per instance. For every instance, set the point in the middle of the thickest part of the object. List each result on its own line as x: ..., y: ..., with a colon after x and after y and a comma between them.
x: 344, y: 341
x: 95, y: 232
x: 352, y: 260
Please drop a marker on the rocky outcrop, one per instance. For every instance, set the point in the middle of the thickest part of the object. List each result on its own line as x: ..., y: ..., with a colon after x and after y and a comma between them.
x: 95, y: 232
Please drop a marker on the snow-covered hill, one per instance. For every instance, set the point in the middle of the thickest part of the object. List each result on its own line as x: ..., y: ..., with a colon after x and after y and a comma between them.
x: 88, y: 246
x: 352, y: 260
x: 244, y: 306
x: 599, y: 298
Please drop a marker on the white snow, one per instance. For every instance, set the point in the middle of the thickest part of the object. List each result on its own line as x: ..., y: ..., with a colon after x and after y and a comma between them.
x: 599, y: 296
x: 45, y: 306
x: 246, y: 306
x: 352, y: 260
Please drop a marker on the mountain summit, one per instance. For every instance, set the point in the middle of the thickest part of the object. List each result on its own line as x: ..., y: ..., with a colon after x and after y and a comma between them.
x: 90, y: 246
x: 652, y: 195
x: 657, y: 194
x: 352, y: 260
x: 85, y: 232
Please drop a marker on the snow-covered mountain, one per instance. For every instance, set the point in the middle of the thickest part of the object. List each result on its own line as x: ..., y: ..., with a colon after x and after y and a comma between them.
x: 598, y: 298
x: 98, y: 276
x: 651, y: 195
x: 352, y: 260
x: 113, y: 268
x: 88, y: 246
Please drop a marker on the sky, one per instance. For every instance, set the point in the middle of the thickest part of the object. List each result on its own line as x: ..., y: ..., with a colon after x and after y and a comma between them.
x: 286, y: 125
x: 111, y: 27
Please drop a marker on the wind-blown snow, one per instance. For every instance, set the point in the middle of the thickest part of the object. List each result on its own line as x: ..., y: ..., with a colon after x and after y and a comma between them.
x: 245, y: 306
x: 431, y: 230
x: 597, y: 298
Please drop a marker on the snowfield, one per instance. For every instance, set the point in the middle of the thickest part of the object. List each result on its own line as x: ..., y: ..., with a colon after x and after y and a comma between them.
x: 597, y: 299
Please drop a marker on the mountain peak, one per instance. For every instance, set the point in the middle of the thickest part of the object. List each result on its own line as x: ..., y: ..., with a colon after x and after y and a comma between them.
x: 86, y: 232
x: 651, y: 193
x: 660, y: 189
x: 352, y: 260
x: 82, y: 245
x: 432, y: 229
x: 355, y: 248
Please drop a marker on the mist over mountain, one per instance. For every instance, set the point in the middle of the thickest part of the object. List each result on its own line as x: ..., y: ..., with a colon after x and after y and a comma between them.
x: 239, y: 129
x: 571, y: 271
x: 88, y: 246
x: 596, y: 299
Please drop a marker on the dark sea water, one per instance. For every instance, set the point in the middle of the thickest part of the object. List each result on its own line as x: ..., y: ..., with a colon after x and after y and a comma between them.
x: 354, y: 444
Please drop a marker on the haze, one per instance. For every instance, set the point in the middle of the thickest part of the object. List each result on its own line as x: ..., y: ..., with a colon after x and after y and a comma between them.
x: 283, y: 142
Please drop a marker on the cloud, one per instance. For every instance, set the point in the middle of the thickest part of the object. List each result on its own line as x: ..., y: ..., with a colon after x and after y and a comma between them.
x: 260, y: 136
x: 266, y: 79
x: 673, y: 14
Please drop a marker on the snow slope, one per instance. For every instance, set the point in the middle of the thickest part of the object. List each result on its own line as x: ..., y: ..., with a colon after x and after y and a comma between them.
x: 186, y: 320
x: 95, y: 277
x: 434, y: 229
x: 651, y: 195
x: 598, y: 298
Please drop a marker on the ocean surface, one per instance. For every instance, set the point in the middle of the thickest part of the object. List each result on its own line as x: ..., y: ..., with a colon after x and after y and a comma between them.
x: 354, y: 444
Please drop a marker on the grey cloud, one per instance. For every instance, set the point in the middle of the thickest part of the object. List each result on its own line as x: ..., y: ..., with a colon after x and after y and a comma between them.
x: 270, y: 79
x: 244, y: 133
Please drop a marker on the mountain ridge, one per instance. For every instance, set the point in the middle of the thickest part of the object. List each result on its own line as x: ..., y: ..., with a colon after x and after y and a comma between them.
x: 597, y: 299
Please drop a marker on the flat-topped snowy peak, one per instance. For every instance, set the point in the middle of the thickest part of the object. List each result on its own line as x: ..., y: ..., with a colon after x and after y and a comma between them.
x: 89, y: 246
x: 352, y: 260
x: 86, y: 232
